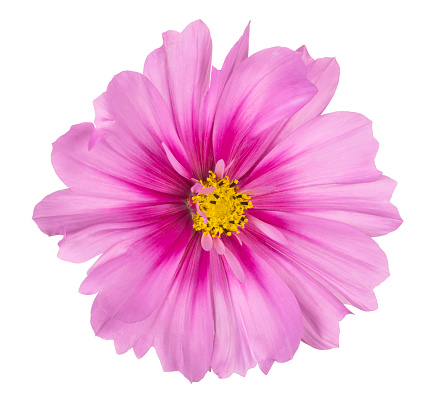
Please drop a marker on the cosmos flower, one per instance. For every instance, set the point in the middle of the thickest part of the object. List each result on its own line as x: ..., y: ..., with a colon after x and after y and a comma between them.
x: 232, y: 218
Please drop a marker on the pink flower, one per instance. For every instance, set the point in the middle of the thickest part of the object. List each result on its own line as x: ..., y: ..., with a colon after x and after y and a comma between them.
x: 233, y: 219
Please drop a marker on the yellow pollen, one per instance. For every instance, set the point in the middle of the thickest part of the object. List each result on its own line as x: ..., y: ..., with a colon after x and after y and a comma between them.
x: 224, y: 207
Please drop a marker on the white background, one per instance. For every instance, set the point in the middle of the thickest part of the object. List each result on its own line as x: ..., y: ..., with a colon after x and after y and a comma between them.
x: 56, y: 57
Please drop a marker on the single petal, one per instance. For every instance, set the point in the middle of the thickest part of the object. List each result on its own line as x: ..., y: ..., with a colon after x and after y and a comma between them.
x: 324, y: 73
x: 268, y: 229
x: 188, y: 57
x: 255, y: 321
x: 219, y: 246
x: 155, y: 69
x: 219, y: 169
x: 207, y: 190
x: 206, y: 242
x: 337, y: 148
x: 265, y: 366
x: 263, y: 91
x: 181, y: 329
x: 237, y: 54
x: 175, y: 163
x: 234, y: 265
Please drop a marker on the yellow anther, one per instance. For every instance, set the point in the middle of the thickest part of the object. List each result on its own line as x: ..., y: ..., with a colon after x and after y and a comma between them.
x: 224, y: 207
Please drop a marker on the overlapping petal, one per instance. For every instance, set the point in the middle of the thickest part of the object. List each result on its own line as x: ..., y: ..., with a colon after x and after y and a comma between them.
x: 132, y: 285
x: 91, y: 225
x: 346, y: 261
x: 255, y: 321
x: 222, y: 303
x: 324, y: 73
x: 264, y: 91
x: 181, y: 328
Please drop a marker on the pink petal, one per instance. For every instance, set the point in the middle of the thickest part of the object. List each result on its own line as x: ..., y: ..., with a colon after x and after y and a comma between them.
x: 207, y: 190
x: 219, y: 169
x: 365, y: 206
x: 188, y: 58
x: 321, y: 310
x: 234, y: 264
x: 265, y: 366
x: 263, y: 91
x: 201, y: 213
x: 237, y: 54
x: 110, y: 173
x: 344, y: 260
x: 219, y: 246
x: 337, y: 148
x: 197, y: 188
x: 268, y: 229
x: 255, y: 321
x: 155, y: 69
x: 132, y: 285
x: 175, y: 163
x: 206, y: 242
x: 181, y: 329
x: 324, y: 73
x: 92, y: 225
x: 139, y: 118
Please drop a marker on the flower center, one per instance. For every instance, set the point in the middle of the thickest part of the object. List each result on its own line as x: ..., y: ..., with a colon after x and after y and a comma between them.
x: 223, y: 208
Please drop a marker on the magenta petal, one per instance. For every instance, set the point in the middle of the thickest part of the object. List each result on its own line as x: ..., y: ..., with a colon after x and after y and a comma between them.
x: 92, y: 225
x: 132, y: 285
x: 255, y: 321
x: 139, y: 118
x: 181, y: 329
x: 219, y: 79
x: 321, y: 310
x: 324, y: 73
x: 263, y: 91
x: 237, y: 54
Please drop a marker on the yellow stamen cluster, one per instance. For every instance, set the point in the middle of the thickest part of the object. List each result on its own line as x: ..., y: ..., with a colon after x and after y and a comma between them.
x: 224, y: 207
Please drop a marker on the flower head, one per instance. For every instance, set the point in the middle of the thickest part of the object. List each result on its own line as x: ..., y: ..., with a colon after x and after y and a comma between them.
x: 232, y: 218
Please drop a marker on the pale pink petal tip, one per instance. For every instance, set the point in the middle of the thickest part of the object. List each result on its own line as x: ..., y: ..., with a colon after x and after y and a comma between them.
x: 219, y: 169
x: 219, y: 245
x: 175, y: 163
x: 268, y: 229
x: 238, y: 238
x: 207, y: 191
x: 234, y: 265
x: 265, y: 366
x: 206, y: 242
x: 201, y: 213
x: 198, y: 189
